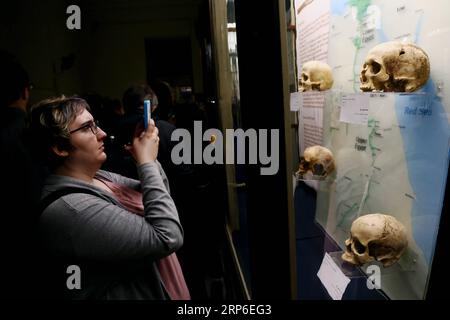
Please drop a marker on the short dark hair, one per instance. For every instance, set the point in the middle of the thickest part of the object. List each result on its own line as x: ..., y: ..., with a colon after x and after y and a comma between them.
x: 165, y: 97
x: 50, y: 120
x: 134, y: 96
x: 13, y: 79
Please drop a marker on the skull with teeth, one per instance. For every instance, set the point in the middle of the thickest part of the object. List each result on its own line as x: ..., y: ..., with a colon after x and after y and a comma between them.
x: 375, y: 237
x: 316, y: 160
x: 316, y: 75
x: 395, y: 67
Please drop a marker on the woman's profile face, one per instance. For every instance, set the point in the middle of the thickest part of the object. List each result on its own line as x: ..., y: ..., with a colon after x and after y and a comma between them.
x: 87, y: 140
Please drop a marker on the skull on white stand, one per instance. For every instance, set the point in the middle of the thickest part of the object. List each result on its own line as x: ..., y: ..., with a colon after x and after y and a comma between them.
x: 377, y: 237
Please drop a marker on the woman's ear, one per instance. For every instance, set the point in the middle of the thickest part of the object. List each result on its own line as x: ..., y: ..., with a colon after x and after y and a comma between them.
x: 61, y: 153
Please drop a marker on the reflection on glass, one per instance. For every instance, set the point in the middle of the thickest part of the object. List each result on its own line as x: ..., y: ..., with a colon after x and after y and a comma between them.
x: 240, y: 236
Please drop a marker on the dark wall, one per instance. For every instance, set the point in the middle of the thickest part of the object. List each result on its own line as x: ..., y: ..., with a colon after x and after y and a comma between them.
x: 261, y: 81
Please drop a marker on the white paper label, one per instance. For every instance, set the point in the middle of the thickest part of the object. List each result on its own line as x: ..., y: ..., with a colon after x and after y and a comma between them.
x: 333, y: 279
x: 296, y: 101
x: 355, y: 109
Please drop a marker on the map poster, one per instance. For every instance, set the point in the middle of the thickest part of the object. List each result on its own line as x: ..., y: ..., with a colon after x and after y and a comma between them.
x: 396, y: 163
x: 313, y: 30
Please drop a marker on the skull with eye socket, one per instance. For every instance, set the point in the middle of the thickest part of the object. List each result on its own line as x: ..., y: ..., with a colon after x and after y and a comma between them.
x: 316, y: 76
x: 395, y: 67
x: 317, y: 162
x: 377, y: 237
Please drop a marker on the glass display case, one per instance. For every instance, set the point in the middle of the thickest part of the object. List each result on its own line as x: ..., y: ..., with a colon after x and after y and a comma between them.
x: 374, y: 95
x: 228, y: 91
x: 252, y: 87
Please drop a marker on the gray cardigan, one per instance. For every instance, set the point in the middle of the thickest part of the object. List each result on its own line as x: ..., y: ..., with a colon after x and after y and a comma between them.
x: 114, y: 248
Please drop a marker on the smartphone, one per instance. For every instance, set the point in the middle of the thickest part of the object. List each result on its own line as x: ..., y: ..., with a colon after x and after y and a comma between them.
x: 147, y: 113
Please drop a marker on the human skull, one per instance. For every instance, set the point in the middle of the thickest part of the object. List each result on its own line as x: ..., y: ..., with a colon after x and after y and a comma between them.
x: 377, y: 237
x: 317, y: 160
x: 395, y: 67
x: 316, y: 75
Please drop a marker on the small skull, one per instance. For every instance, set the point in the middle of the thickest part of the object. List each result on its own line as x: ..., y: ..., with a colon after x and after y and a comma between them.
x: 375, y: 237
x: 395, y: 67
x: 316, y: 75
x: 318, y: 161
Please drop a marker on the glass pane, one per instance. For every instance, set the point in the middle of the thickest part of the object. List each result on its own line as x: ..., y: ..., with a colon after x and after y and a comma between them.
x: 388, y: 132
x: 240, y: 235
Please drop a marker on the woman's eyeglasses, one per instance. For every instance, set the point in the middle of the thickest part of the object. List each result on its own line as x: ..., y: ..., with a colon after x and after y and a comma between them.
x: 93, y: 125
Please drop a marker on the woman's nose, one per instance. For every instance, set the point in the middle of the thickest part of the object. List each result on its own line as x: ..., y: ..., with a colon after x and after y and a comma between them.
x: 101, y: 134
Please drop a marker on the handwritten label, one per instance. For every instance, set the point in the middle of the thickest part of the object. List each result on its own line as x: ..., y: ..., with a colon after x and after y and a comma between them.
x: 416, y: 111
x: 355, y: 109
x: 333, y: 279
x: 416, y: 105
x: 361, y: 144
